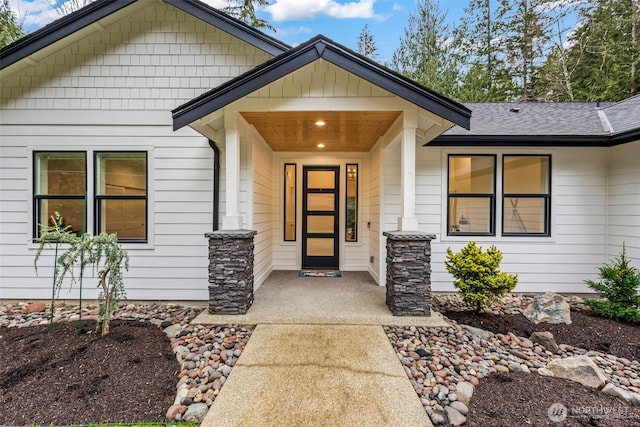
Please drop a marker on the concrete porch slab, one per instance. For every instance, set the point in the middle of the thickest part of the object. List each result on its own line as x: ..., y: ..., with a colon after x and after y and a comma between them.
x: 317, y: 375
x: 353, y: 299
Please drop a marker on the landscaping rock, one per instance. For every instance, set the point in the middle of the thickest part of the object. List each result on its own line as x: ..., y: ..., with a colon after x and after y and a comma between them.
x: 612, y: 390
x: 579, y: 369
x: 196, y: 412
x: 455, y: 417
x: 546, y: 340
x: 175, y: 410
x: 549, y: 308
x: 34, y: 307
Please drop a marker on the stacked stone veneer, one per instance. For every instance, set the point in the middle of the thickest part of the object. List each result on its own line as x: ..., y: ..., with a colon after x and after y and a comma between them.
x: 230, y: 271
x: 409, y: 273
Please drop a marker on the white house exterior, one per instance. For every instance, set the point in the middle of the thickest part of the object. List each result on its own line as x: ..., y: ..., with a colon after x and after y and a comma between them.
x: 129, y: 101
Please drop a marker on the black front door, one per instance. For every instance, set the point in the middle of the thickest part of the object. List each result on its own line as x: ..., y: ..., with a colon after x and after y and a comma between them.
x: 320, y: 216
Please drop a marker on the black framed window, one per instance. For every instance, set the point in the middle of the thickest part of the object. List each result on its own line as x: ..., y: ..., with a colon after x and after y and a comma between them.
x: 471, y: 187
x: 121, y: 199
x: 526, y: 201
x: 289, y: 202
x: 351, y: 205
x: 60, y: 185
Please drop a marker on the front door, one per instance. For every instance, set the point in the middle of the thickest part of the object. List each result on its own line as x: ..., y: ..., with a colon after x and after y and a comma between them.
x: 320, y: 216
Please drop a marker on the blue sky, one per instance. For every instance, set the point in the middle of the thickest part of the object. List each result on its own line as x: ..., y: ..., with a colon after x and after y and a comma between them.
x: 298, y: 20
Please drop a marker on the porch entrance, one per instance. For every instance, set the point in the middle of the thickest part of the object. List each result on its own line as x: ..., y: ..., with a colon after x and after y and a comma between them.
x: 320, y: 203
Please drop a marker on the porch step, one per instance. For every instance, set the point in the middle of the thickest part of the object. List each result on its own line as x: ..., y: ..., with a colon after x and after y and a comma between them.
x: 317, y: 375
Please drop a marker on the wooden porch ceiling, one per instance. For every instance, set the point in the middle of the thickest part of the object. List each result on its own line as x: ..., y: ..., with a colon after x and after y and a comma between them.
x: 343, y: 130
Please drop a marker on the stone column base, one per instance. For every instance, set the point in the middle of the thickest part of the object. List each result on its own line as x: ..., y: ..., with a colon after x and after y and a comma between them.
x: 409, y: 273
x: 230, y: 271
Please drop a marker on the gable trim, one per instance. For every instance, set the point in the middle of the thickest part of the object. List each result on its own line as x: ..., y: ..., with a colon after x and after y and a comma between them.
x: 69, y: 24
x: 320, y: 47
x: 230, y: 25
x: 58, y: 30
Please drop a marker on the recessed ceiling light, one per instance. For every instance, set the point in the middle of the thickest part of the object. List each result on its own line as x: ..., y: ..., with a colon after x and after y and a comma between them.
x: 320, y: 123
x: 320, y: 145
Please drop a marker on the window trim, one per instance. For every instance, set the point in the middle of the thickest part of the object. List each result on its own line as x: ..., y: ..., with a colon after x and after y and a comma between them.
x: 491, y: 197
x: 545, y: 197
x: 98, y: 198
x: 36, y: 198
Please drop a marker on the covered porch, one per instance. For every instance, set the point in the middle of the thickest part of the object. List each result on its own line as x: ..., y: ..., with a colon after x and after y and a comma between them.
x: 353, y: 299
x: 267, y: 126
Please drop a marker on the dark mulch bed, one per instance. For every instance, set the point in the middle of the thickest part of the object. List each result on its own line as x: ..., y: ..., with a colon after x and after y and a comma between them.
x: 62, y: 378
x: 519, y: 399
x: 587, y: 330
x: 524, y: 399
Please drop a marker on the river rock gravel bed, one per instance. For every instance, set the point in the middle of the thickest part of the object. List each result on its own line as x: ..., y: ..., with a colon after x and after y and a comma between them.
x: 445, y: 365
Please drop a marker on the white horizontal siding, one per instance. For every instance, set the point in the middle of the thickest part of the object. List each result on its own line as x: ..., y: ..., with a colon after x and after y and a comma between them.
x: 624, y: 201
x: 562, y: 262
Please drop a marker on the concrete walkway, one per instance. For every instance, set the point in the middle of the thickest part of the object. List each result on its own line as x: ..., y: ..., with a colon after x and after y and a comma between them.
x: 318, y: 357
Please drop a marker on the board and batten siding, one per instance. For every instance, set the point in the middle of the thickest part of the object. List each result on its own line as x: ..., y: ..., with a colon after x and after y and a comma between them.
x: 624, y: 201
x: 113, y: 90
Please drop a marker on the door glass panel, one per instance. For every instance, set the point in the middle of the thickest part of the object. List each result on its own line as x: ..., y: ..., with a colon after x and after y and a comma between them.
x: 320, y: 247
x: 321, y: 179
x: 319, y: 224
x: 320, y: 202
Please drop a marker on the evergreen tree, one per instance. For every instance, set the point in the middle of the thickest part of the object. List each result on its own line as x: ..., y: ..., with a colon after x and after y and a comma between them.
x: 10, y: 30
x: 606, y: 53
x: 245, y: 11
x: 523, y: 41
x: 485, y: 78
x: 366, y: 44
x: 425, y: 54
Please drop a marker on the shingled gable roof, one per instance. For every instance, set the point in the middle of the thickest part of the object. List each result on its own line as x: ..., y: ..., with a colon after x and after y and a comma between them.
x: 320, y: 47
x: 97, y: 10
x: 550, y: 124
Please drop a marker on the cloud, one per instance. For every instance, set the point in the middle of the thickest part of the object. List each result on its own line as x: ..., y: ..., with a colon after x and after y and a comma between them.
x: 396, y: 7
x: 292, y: 31
x: 291, y: 10
x: 34, y: 14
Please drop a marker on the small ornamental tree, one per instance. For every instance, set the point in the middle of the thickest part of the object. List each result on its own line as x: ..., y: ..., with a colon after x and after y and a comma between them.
x: 478, y: 280
x: 102, y: 252
x: 619, y: 284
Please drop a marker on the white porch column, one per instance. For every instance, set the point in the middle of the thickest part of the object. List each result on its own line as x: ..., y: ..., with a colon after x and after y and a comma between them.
x: 407, y: 220
x: 232, y: 219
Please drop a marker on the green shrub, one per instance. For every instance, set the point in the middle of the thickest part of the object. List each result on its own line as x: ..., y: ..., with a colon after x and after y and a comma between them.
x: 618, y: 285
x: 478, y: 280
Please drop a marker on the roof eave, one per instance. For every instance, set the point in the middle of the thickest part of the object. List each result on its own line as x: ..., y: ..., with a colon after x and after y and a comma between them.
x: 230, y: 25
x: 58, y: 30
x: 69, y: 24
x: 520, y: 141
x: 625, y: 137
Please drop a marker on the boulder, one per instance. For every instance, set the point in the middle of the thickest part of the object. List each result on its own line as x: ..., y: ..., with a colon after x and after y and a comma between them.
x: 549, y: 308
x: 35, y: 307
x: 580, y: 369
x: 546, y: 340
